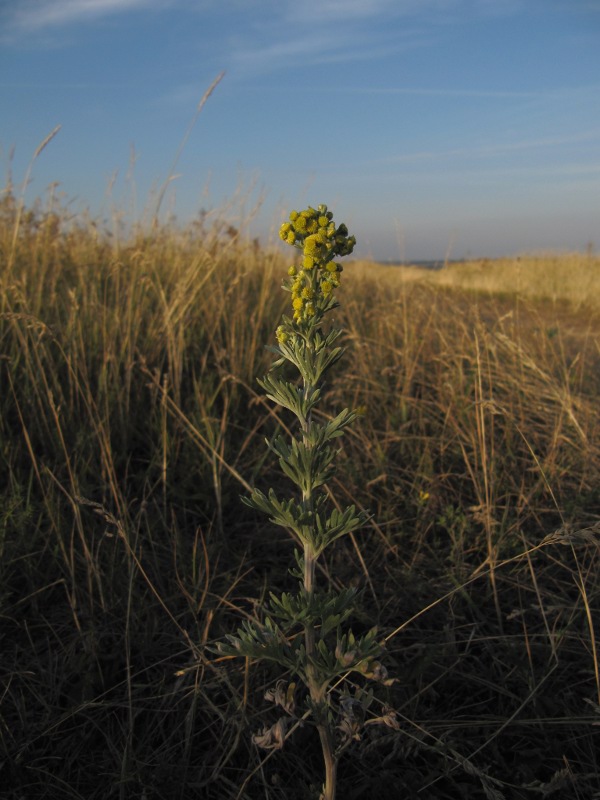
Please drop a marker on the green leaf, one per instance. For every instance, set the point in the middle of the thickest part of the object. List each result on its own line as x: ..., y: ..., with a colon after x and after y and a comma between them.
x: 307, y: 465
x: 253, y: 640
x: 287, y: 514
x: 290, y: 396
x: 339, y: 523
x: 316, y: 610
x: 319, y: 434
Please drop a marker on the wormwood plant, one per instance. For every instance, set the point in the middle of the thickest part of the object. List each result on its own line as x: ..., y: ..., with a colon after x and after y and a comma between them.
x: 303, y: 631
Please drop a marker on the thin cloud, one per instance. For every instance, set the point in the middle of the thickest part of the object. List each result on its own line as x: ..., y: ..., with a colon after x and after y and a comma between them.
x: 289, y: 33
x: 30, y: 15
x: 491, y: 150
x: 326, y: 32
x: 559, y: 93
x: 318, y: 11
x: 450, y: 92
x: 308, y: 48
x: 586, y: 174
x: 342, y: 11
x: 66, y: 86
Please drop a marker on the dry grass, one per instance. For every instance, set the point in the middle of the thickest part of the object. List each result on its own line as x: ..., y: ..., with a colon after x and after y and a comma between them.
x: 129, y: 426
x: 572, y: 277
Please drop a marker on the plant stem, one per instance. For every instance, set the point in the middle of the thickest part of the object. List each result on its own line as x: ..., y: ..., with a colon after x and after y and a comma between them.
x: 316, y: 689
x: 330, y: 760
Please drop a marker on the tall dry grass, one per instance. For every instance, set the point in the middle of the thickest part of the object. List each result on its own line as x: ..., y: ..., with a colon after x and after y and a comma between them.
x: 571, y: 277
x: 130, y: 424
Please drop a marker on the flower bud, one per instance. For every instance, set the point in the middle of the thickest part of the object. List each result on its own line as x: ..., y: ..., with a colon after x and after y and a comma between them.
x: 282, y: 335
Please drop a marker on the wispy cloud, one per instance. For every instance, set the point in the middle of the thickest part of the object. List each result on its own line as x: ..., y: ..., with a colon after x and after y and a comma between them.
x: 290, y: 33
x: 341, y: 11
x: 36, y: 15
x: 316, y: 32
x: 489, y: 151
x: 67, y: 86
x: 449, y: 92
x: 306, y: 49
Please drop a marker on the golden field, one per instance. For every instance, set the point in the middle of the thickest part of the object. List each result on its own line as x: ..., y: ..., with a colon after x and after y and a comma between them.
x: 131, y: 423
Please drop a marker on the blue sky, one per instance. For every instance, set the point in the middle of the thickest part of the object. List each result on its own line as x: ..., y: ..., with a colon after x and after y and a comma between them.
x: 431, y: 127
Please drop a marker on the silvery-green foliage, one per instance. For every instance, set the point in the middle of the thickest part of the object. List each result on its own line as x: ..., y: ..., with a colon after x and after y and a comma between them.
x: 304, y: 631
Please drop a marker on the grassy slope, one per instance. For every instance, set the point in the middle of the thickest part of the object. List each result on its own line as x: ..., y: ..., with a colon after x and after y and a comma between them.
x: 130, y: 424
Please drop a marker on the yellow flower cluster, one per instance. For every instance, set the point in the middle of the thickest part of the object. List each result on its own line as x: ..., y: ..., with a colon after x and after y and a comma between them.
x: 314, y: 232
